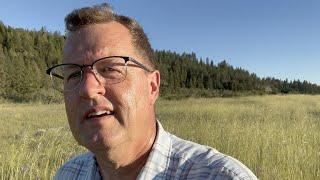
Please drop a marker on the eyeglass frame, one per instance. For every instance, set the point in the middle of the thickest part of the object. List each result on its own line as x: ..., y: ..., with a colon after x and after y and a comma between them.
x: 83, y: 66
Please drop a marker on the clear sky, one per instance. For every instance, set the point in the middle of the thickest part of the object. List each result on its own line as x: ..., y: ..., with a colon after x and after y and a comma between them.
x: 278, y: 38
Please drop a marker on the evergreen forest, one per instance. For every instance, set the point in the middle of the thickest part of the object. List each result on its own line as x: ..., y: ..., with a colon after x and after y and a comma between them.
x: 26, y: 54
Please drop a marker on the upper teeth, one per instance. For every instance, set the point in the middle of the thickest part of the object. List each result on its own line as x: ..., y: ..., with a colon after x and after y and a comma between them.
x: 99, y: 113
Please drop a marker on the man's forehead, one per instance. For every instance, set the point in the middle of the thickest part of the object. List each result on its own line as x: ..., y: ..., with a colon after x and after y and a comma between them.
x: 86, y: 55
x: 97, y: 40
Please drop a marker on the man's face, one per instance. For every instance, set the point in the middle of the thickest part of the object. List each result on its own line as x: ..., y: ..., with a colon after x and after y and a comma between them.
x: 129, y: 104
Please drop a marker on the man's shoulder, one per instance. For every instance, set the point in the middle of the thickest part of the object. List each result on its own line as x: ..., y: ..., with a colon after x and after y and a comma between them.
x: 200, y: 161
x: 78, y: 166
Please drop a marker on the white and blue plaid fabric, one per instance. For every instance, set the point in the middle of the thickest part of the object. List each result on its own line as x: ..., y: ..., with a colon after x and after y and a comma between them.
x: 170, y: 158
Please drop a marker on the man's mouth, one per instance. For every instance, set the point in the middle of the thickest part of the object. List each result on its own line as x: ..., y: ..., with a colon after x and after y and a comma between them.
x: 98, y: 114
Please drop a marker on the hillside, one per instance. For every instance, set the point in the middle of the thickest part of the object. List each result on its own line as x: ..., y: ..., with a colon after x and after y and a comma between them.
x: 25, y: 55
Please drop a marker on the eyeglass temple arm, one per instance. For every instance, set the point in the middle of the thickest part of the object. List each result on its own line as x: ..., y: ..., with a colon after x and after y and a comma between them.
x: 140, y: 64
x: 48, y: 71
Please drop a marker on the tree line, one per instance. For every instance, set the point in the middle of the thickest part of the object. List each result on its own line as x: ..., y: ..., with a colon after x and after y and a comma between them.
x: 190, y: 75
x: 26, y: 54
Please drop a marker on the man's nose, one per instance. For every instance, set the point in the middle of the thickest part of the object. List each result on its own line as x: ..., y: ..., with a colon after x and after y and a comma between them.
x: 91, y: 85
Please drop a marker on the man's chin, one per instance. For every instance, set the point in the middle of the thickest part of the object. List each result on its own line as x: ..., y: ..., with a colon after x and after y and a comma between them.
x: 99, y: 142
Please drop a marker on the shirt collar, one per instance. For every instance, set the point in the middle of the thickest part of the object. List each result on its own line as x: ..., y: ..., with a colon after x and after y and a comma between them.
x: 158, y: 160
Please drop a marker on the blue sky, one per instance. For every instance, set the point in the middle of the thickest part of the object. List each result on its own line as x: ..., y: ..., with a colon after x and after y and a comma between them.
x: 270, y: 38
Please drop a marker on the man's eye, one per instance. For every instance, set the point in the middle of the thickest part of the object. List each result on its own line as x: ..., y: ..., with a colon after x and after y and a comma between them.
x: 74, y: 75
x: 108, y: 70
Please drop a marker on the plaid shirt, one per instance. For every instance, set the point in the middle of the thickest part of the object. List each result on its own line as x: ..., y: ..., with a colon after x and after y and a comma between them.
x: 170, y: 158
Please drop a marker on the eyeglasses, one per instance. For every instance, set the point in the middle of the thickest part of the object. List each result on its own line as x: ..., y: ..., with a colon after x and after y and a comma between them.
x: 109, y: 70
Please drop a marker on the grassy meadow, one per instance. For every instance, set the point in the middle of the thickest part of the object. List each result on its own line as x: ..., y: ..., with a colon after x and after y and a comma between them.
x: 277, y: 137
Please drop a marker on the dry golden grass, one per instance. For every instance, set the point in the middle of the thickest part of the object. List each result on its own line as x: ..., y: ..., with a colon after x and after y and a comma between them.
x: 277, y: 137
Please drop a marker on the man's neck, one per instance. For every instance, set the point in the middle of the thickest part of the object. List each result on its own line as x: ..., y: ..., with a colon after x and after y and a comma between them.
x: 128, y: 164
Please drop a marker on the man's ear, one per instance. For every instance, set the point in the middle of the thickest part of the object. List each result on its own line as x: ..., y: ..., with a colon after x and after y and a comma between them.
x: 154, y: 82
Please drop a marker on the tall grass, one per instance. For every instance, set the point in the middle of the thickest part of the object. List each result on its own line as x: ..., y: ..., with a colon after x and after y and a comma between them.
x: 34, y: 140
x: 277, y: 137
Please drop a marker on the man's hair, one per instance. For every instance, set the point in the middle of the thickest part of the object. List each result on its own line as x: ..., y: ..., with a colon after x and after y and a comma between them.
x: 103, y: 13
